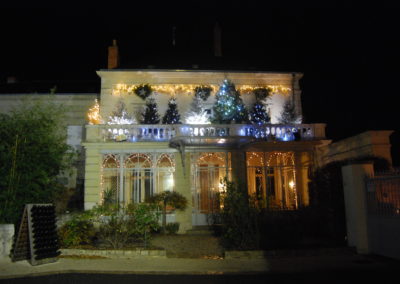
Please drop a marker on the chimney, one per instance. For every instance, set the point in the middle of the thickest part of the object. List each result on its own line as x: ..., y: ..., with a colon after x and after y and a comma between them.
x: 113, y: 56
x: 217, y: 40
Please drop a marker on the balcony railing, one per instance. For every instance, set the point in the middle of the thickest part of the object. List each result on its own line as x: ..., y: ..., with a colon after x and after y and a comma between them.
x: 159, y: 133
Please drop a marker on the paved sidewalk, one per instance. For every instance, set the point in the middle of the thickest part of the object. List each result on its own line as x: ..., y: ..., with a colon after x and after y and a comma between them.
x: 330, y: 263
x: 142, y: 265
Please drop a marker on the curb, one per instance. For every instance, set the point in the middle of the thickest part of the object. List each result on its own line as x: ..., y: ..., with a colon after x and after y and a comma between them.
x: 115, y: 253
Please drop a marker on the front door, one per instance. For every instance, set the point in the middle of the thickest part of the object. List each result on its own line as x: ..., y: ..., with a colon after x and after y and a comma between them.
x: 209, y: 173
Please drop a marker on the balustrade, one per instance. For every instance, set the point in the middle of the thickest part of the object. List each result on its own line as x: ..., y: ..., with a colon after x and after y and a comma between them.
x: 157, y: 132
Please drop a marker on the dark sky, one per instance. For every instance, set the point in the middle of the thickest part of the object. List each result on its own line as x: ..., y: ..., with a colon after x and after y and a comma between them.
x: 347, y: 50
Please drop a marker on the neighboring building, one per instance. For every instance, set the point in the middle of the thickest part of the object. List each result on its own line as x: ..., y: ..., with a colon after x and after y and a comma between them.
x: 75, y: 105
x: 135, y: 161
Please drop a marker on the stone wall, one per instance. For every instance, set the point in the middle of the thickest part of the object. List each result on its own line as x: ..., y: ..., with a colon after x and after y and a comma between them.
x: 366, y: 144
x: 6, y: 239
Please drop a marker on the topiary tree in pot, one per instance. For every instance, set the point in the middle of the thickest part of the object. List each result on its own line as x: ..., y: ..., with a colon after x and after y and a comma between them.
x: 168, y: 200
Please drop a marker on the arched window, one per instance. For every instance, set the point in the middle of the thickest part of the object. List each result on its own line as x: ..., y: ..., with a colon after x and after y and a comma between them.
x: 109, y: 178
x: 138, y: 161
x: 271, y: 178
x: 165, y: 173
x: 138, y: 175
x: 110, y: 161
x: 210, y: 169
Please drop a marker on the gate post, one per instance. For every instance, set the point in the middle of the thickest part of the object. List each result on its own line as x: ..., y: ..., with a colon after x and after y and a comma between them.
x: 356, y: 205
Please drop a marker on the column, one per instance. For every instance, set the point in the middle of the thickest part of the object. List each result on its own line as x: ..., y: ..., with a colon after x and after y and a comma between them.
x: 355, y: 202
x: 182, y: 185
x: 301, y: 162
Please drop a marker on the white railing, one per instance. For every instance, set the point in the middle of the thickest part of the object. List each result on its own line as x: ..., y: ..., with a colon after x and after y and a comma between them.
x: 157, y: 132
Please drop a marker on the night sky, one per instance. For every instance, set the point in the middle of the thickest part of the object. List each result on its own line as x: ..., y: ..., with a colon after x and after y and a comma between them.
x: 348, y: 52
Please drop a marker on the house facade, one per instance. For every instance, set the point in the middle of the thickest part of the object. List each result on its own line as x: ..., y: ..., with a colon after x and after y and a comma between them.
x: 131, y: 160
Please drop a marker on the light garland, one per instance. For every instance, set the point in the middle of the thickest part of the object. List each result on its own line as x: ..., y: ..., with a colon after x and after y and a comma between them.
x: 93, y: 114
x: 284, y: 155
x: 188, y: 89
x: 254, y: 155
x: 206, y: 156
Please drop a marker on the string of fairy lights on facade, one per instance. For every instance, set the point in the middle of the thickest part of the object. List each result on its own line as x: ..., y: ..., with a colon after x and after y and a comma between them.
x: 111, y: 164
x: 173, y: 89
x: 282, y: 159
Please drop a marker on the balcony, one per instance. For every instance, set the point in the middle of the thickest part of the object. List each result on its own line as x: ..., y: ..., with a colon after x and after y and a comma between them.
x: 203, y: 134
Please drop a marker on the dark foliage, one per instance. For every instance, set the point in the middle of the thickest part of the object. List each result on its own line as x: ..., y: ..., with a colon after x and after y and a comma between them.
x: 172, y: 115
x: 150, y: 114
x: 143, y: 91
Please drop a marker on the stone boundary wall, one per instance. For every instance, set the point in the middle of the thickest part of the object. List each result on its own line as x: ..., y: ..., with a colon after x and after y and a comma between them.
x: 111, y: 253
x: 6, y: 239
x: 366, y: 144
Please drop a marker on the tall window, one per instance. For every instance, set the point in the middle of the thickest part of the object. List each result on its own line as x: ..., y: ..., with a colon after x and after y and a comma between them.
x: 271, y: 177
x: 109, y: 180
x: 140, y: 176
x: 139, y: 183
x: 209, y: 171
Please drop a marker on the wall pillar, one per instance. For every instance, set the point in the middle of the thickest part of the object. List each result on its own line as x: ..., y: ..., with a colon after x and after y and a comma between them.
x: 182, y: 186
x: 92, y: 177
x: 6, y: 240
x: 301, y: 162
x: 356, y: 205
x: 239, y: 169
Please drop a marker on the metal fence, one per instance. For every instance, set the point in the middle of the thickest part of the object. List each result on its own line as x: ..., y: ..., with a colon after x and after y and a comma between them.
x: 383, y: 194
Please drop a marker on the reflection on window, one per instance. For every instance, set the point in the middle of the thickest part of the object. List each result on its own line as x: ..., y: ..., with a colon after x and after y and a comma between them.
x: 142, y: 175
x: 271, y: 179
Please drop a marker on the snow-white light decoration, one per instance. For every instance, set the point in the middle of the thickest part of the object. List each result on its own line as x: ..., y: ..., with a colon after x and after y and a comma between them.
x: 123, y: 119
x: 197, y: 114
x: 120, y: 115
x: 195, y: 118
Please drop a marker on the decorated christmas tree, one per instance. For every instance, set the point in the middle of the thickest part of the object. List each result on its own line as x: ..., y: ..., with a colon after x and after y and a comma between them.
x: 259, y: 114
x: 229, y: 106
x: 197, y: 114
x: 150, y: 114
x: 172, y: 115
x: 288, y: 114
x: 93, y: 115
x: 120, y: 115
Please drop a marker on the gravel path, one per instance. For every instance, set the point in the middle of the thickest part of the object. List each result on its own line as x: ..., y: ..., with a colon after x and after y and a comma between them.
x: 189, y: 246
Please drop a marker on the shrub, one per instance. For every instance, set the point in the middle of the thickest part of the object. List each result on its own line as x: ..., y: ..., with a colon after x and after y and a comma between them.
x: 122, y: 224
x: 172, y: 228
x: 33, y: 152
x: 239, y: 218
x: 171, y: 199
x: 77, y: 231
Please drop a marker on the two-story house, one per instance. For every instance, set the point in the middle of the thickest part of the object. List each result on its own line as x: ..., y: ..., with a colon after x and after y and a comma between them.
x: 133, y: 160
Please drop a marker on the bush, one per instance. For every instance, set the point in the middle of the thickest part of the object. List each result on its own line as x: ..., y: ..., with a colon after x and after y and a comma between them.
x: 172, y: 228
x: 239, y: 218
x: 120, y: 225
x: 77, y: 231
x: 168, y: 200
x: 33, y: 152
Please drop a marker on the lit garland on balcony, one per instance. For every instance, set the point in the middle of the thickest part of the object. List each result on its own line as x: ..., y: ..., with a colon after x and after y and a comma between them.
x: 273, y: 88
x: 93, y: 115
x: 189, y: 89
